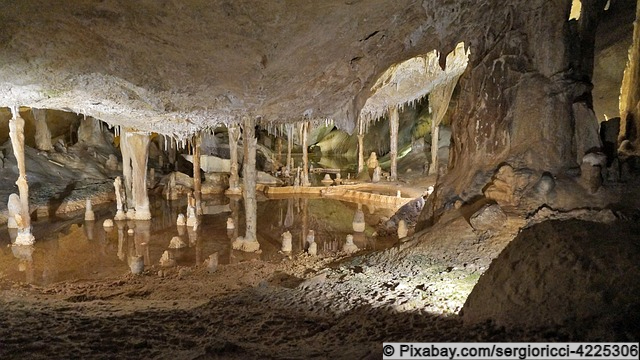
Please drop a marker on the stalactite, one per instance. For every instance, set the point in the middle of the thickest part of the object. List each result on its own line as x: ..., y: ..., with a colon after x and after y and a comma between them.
x: 394, y: 119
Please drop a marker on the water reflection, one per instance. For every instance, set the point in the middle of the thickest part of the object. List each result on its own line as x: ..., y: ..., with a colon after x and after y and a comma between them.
x: 75, y: 249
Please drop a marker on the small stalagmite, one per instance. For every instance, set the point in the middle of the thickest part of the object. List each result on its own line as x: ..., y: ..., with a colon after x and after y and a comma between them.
x: 177, y: 243
x: 327, y: 180
x: 108, y: 223
x: 89, y: 215
x: 230, y: 224
x: 286, y: 242
x: 14, y: 209
x: 377, y: 173
x: 358, y: 221
x: 349, y: 247
x: 212, y: 263
x: 166, y: 260
x: 136, y: 264
x: 181, y: 220
x: 117, y: 184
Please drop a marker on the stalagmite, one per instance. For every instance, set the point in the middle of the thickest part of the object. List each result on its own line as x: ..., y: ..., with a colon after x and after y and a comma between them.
x: 249, y: 242
x: 358, y: 223
x: 305, y: 154
x: 23, y: 219
x: 349, y: 247
x: 327, y: 180
x: 13, y: 207
x: 192, y: 218
x: 181, y: 220
x: 107, y: 224
x: 197, y: 181
x: 166, y: 260
x: 43, y: 135
x: 313, y: 246
x: 286, y: 242
x: 88, y: 212
x: 138, y: 145
x: 212, y: 263
x: 127, y: 171
x: 377, y: 174
x: 177, y: 243
x: 234, y: 136
x: 394, y: 119
x: 117, y: 184
x: 136, y: 264
x: 230, y: 224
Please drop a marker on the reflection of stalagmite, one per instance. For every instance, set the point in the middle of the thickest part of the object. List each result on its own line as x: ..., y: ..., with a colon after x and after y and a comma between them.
x: 250, y: 241
x: 394, y: 119
x: 117, y: 184
x: 23, y: 219
x: 192, y: 218
x: 142, y: 238
x: 121, y: 239
x: 234, y: 136
x: 43, y: 135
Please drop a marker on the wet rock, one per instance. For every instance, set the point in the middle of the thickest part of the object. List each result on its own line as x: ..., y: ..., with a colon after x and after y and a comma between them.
x: 489, y: 217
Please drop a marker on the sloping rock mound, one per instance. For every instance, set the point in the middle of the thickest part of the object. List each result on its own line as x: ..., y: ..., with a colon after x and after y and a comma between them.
x: 577, y: 275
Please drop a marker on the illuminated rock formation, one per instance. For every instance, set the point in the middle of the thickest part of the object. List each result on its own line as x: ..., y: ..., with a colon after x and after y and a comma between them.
x: 23, y: 218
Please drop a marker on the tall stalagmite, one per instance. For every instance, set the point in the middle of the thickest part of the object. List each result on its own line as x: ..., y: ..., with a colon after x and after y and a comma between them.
x: 197, y: 181
x: 234, y: 137
x: 23, y: 219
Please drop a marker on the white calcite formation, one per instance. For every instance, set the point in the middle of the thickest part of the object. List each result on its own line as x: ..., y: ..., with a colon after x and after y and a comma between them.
x: 327, y: 180
x: 242, y: 244
x: 181, y: 220
x: 23, y: 218
x: 286, y: 242
x: 177, y: 243
x: 107, y: 223
x: 377, y: 173
x: 349, y: 247
x: 89, y: 215
x: 167, y: 259
x: 14, y: 209
x: 230, y: 224
x: 192, y: 218
x: 117, y: 184
x: 358, y: 221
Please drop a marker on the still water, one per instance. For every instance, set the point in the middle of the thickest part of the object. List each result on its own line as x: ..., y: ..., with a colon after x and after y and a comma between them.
x: 72, y: 249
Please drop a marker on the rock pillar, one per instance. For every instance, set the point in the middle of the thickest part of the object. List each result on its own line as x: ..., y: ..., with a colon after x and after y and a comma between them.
x: 394, y: 119
x: 250, y: 241
x: 43, y: 135
x: 304, y: 129
x: 126, y: 169
x: 197, y: 181
x: 23, y: 219
x: 234, y: 136
x: 137, y: 144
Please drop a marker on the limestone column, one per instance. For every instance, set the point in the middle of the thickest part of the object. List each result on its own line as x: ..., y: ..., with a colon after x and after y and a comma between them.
x: 305, y: 153
x: 250, y: 241
x: 23, y: 219
x: 234, y: 136
x: 197, y: 181
x: 435, y: 134
x: 394, y: 119
x: 126, y: 168
x: 630, y: 89
x: 43, y: 135
x: 138, y: 144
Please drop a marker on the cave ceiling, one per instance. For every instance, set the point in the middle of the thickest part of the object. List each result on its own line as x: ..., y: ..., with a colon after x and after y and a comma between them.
x: 177, y: 66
